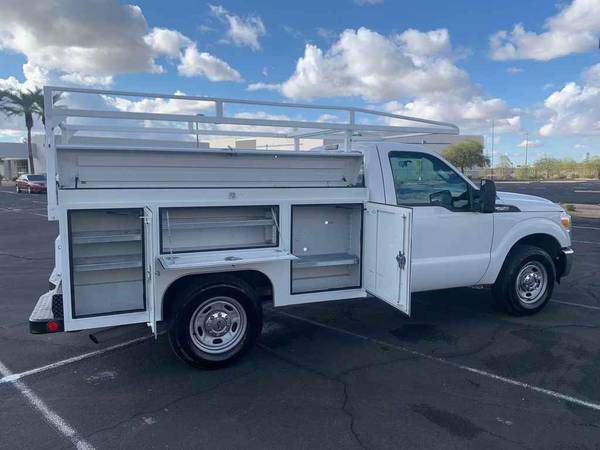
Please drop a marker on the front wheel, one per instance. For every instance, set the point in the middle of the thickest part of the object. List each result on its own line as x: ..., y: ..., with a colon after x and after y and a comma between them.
x: 215, y: 324
x: 526, y: 282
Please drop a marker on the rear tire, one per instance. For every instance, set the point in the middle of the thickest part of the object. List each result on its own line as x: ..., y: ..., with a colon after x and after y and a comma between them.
x: 526, y: 282
x: 216, y: 321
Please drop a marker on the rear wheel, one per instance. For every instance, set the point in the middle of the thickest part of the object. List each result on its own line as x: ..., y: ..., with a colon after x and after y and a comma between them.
x: 526, y: 282
x: 215, y: 323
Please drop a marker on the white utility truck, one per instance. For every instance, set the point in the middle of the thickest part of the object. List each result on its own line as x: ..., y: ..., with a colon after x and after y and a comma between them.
x: 197, y: 238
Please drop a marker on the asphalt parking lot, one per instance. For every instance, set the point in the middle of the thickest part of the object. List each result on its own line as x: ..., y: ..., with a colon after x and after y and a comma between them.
x: 355, y: 374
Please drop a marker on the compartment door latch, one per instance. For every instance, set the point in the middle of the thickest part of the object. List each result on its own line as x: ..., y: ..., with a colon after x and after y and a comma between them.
x: 401, y: 260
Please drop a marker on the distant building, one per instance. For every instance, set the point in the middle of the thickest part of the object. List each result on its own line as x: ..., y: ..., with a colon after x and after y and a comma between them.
x: 13, y: 159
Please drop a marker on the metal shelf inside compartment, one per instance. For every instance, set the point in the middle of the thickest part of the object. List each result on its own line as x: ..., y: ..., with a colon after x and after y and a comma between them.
x: 93, y: 263
x: 325, y: 260
x: 179, y: 224
x: 99, y: 237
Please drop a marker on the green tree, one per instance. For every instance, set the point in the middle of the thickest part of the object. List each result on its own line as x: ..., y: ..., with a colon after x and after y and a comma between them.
x: 466, y: 154
x: 26, y: 103
x: 547, y: 165
x: 594, y: 166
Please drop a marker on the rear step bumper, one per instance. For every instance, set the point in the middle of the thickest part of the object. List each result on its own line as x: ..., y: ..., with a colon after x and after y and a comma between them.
x: 46, y: 318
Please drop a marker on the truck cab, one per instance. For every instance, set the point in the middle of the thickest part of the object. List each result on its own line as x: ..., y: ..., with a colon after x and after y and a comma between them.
x: 195, y: 239
x: 455, y: 244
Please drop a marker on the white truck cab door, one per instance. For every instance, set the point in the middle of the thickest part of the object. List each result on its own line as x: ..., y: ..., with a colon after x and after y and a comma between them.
x: 387, y: 253
x: 451, y: 239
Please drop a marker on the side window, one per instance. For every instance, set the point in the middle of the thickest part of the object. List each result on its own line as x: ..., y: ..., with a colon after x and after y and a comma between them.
x: 424, y: 180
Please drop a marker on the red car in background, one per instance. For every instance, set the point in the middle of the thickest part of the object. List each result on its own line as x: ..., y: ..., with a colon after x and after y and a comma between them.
x: 31, y: 183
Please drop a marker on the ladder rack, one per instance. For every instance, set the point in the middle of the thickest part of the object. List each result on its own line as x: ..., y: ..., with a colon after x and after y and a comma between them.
x: 213, y: 119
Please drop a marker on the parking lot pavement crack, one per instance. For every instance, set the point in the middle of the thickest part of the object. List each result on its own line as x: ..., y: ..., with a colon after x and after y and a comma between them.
x: 587, y: 425
x: 338, y: 379
x: 26, y: 258
x: 349, y: 413
x: 170, y: 403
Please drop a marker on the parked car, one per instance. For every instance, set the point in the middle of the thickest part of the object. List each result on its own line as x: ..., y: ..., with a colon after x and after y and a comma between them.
x: 31, y: 183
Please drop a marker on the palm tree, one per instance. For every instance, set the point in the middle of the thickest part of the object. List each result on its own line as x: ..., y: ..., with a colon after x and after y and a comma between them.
x: 26, y: 103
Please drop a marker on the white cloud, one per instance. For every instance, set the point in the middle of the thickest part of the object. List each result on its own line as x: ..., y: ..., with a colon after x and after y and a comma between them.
x: 473, y: 115
x: 167, y: 42
x: 87, y: 80
x: 514, y: 70
x: 531, y: 143
x: 367, y: 64
x: 195, y: 63
x: 368, y: 2
x: 574, y: 29
x: 579, y: 146
x: 87, y: 42
x: 159, y: 105
x: 415, y: 65
x: 327, y: 34
x: 241, y: 31
x: 92, y: 38
x: 263, y: 87
x: 575, y: 109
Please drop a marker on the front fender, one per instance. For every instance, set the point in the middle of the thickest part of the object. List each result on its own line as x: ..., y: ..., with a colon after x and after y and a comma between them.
x: 506, y: 237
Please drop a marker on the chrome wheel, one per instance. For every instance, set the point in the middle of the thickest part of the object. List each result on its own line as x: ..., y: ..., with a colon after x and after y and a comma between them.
x: 531, y: 282
x: 218, y: 325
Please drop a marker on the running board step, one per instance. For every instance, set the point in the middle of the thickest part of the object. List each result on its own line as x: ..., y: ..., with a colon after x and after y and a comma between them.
x: 42, y: 319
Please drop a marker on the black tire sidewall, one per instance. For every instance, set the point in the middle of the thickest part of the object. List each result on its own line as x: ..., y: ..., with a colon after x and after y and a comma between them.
x: 180, y: 338
x: 506, y: 291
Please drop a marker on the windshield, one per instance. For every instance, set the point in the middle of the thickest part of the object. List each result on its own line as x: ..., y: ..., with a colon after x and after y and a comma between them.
x: 36, y: 177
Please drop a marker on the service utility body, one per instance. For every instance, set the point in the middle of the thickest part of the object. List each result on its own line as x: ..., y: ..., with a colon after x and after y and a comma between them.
x: 193, y: 239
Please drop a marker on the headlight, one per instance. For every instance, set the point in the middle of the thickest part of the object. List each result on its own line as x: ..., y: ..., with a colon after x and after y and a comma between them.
x: 565, y: 221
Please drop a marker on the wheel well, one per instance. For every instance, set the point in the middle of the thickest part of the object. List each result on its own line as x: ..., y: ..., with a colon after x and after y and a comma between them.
x: 258, y: 280
x: 545, y: 242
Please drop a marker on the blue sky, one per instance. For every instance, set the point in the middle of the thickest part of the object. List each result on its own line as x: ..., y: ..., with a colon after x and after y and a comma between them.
x: 528, y: 66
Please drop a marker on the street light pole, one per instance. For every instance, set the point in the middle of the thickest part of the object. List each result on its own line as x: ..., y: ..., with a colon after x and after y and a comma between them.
x: 492, y: 159
x: 526, y: 148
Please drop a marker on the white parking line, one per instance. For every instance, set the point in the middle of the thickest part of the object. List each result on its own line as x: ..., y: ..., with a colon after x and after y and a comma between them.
x: 588, y: 191
x: 597, y: 308
x: 493, y: 376
x: 21, y: 211
x: 587, y: 242
x: 17, y: 376
x: 50, y: 416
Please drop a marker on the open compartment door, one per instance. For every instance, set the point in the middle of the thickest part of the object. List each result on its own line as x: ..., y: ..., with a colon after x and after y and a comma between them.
x: 149, y: 267
x: 106, y: 284
x: 387, y: 253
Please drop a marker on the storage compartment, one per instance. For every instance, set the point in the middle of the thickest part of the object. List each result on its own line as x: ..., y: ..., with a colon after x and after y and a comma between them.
x: 218, y: 228
x: 107, y: 261
x: 327, y: 241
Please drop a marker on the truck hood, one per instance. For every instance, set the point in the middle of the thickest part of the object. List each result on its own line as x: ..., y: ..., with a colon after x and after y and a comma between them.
x: 526, y: 202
